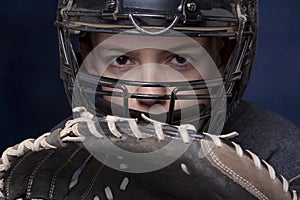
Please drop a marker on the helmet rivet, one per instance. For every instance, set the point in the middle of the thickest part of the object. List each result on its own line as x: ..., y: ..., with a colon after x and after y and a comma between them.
x: 110, y: 4
x: 191, y: 6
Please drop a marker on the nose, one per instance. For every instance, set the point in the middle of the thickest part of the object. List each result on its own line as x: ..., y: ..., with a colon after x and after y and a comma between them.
x: 152, y: 72
x: 155, y: 95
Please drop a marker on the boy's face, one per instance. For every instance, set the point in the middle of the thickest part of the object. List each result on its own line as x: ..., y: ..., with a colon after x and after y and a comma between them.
x: 153, y: 59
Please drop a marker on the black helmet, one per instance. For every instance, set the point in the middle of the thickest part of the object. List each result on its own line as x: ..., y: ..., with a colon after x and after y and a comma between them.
x: 234, y: 22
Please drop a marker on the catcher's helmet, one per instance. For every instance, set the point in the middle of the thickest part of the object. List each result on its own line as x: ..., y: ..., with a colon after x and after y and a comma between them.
x: 233, y: 22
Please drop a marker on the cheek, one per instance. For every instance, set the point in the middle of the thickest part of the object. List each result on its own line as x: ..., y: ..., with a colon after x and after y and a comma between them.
x: 193, y: 101
x: 108, y: 73
x: 91, y: 70
x: 193, y: 73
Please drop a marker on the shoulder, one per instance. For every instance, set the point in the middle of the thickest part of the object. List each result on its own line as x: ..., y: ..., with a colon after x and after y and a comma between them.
x: 251, y: 117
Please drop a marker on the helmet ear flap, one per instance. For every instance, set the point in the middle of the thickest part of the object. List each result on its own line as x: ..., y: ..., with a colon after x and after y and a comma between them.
x: 79, y: 58
x: 226, y: 52
x: 85, y: 46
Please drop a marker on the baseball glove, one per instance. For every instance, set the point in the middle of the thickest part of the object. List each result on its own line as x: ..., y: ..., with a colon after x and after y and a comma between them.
x: 119, y: 158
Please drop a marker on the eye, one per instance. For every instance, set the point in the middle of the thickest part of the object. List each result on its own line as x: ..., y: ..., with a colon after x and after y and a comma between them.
x: 177, y: 59
x: 179, y: 62
x: 121, y: 61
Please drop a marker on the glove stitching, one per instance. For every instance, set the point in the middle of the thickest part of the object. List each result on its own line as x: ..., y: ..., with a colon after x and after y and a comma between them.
x: 230, y: 172
x: 41, y: 143
x: 92, y: 183
x: 8, y: 181
x: 270, y: 169
x: 58, y: 171
x: 33, y: 174
x: 20, y: 150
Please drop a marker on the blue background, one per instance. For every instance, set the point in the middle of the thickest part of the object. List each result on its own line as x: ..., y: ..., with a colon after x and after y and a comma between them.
x: 32, y: 95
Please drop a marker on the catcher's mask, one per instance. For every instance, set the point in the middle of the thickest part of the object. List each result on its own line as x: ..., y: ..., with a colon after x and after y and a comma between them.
x: 204, y: 53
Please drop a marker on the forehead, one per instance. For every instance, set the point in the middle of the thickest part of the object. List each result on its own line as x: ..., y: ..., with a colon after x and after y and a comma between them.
x: 174, y: 42
x: 100, y: 37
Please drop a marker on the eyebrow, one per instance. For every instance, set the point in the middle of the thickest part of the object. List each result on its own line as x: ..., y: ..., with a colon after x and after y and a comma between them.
x: 172, y: 49
x: 115, y: 48
x: 182, y: 47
